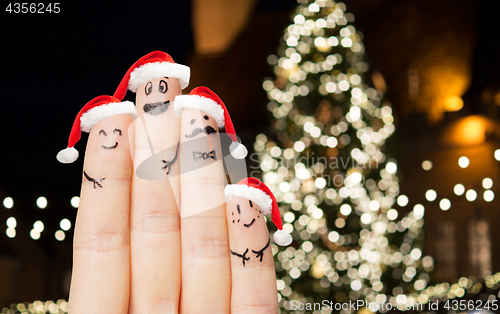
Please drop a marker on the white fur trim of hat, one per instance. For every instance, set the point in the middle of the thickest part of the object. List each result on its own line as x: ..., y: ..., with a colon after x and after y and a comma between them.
x: 96, y: 114
x: 154, y: 70
x: 255, y: 195
x: 207, y: 105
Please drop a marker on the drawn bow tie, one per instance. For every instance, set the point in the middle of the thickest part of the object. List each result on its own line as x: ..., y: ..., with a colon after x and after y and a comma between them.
x: 205, y: 156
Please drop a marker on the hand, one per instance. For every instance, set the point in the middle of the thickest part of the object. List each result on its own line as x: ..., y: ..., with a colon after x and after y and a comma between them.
x: 134, y: 254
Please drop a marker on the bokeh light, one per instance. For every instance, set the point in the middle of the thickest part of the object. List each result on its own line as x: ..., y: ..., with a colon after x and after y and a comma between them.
x: 463, y: 162
x: 430, y: 195
x: 65, y: 224
x: 75, y: 201
x: 8, y: 202
x: 41, y: 202
x: 471, y: 195
x: 427, y: 165
x: 445, y: 204
x: 459, y: 189
x: 487, y: 183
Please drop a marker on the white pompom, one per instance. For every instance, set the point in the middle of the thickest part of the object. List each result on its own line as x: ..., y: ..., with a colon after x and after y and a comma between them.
x: 67, y: 155
x: 282, y: 238
x: 238, y: 150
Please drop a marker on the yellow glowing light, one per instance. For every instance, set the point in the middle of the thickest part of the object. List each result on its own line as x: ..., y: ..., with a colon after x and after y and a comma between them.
x: 463, y: 162
x: 497, y: 154
x: 453, y: 104
x: 469, y: 130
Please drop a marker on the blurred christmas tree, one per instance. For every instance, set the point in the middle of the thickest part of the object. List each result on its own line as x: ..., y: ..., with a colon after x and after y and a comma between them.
x: 326, y: 164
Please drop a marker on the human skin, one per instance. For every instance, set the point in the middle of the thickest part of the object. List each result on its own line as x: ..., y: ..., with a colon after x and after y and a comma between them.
x: 154, y: 214
x: 255, y: 280
x: 101, y: 249
x: 127, y: 258
x: 205, y: 247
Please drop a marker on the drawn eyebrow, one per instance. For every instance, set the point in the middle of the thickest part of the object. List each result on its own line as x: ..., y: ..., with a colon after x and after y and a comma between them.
x: 103, y: 132
x: 251, y: 205
x: 118, y: 130
x: 166, y: 77
x: 239, y: 210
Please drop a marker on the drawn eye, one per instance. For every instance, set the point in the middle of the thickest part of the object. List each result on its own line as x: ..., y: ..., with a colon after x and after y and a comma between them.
x: 118, y: 130
x: 149, y: 88
x: 205, y: 117
x: 163, y: 87
x: 103, y: 132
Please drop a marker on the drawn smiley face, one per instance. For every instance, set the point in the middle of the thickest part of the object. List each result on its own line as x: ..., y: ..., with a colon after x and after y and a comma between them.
x: 246, y: 212
x: 116, y: 132
x: 156, y: 95
x: 200, y: 122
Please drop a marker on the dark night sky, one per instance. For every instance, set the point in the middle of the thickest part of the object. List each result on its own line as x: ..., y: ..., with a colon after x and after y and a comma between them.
x: 54, y: 63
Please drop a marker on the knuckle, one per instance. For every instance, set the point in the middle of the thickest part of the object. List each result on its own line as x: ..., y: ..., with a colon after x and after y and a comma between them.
x: 102, y: 242
x: 157, y: 222
x: 209, y: 248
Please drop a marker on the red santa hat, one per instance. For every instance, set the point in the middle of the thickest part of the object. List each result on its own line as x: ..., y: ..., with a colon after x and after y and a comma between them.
x: 153, y: 65
x: 202, y: 98
x: 256, y: 191
x: 97, y: 109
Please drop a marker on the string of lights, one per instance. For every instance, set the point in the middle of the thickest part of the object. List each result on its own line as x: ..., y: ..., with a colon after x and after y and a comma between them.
x: 35, y: 233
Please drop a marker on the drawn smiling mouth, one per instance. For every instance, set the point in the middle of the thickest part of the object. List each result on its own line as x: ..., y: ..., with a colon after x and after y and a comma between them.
x: 155, y: 108
x: 207, y: 130
x: 110, y: 147
x: 248, y: 225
